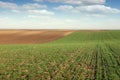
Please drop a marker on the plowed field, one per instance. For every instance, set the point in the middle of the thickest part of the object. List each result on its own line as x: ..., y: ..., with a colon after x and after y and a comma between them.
x: 30, y: 36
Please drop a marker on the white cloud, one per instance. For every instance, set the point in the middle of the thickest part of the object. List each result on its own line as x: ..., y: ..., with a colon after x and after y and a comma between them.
x: 75, y: 1
x: 88, y: 9
x: 97, y: 9
x: 93, y: 1
x: 67, y: 8
x: 67, y: 1
x: 64, y: 7
x: 95, y: 15
x: 15, y: 11
x: 29, y: 8
x: 8, y: 5
x: 40, y: 12
x: 33, y: 6
x: 38, y: 0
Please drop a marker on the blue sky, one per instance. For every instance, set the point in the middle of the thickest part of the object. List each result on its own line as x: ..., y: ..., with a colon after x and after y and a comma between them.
x: 59, y: 14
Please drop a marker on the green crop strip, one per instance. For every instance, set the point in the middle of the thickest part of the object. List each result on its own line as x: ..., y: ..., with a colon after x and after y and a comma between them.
x: 83, y: 55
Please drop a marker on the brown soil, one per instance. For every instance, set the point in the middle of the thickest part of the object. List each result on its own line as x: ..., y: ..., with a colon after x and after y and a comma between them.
x: 31, y: 36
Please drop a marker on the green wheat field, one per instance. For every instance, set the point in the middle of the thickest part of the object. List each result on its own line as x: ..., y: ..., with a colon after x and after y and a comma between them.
x: 82, y: 55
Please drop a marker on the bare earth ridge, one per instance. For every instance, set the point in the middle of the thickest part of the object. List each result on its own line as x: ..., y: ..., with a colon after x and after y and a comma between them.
x: 31, y: 36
